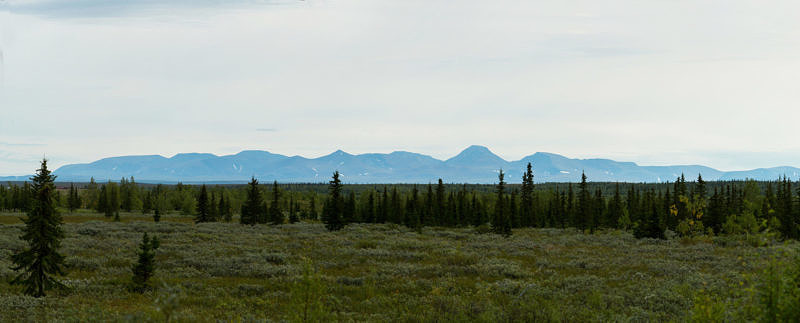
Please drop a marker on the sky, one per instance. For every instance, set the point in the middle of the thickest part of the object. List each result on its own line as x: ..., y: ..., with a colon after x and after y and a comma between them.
x: 650, y: 81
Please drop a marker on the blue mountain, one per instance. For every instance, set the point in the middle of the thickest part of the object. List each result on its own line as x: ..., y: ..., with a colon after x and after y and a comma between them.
x: 475, y: 164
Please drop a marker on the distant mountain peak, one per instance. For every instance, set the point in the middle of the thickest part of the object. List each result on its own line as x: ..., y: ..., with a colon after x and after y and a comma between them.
x: 475, y: 164
x: 339, y: 152
x: 476, y: 155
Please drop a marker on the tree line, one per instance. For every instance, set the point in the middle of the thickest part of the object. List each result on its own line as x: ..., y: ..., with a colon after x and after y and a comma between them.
x: 648, y: 210
x: 686, y: 208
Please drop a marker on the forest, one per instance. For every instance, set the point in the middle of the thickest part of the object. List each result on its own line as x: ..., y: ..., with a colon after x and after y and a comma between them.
x: 708, y: 251
x: 682, y: 207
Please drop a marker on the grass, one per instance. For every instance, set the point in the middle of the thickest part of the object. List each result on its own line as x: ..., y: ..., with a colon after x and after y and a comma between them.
x: 230, y: 272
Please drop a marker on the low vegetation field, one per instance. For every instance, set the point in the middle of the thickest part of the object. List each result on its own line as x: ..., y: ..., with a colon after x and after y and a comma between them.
x: 388, y: 273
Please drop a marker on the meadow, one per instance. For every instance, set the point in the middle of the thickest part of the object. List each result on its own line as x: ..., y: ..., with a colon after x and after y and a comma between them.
x: 389, y: 273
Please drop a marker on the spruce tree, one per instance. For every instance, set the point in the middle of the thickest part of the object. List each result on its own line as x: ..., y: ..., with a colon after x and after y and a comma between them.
x: 395, y: 207
x: 41, y: 261
x: 213, y: 208
x: 145, y: 266
x: 333, y: 209
x: 599, y: 209
x: 113, y: 200
x: 651, y: 226
x: 349, y: 215
x: 369, y: 212
x: 312, y: 208
x: 157, y: 201
x: 500, y: 220
x: 275, y: 212
x: 293, y: 211
x: 526, y: 198
x: 203, y: 207
x: 383, y: 212
x: 439, y: 207
x: 252, y: 209
x: 224, y: 208
x: 102, y: 202
x: 73, y: 200
x: 615, y: 209
x: 584, y: 218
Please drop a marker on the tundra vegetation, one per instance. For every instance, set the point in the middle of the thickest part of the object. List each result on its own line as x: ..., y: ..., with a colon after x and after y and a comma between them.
x: 442, y: 252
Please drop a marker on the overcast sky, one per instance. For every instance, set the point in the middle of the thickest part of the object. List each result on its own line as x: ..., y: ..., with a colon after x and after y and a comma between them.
x: 651, y: 81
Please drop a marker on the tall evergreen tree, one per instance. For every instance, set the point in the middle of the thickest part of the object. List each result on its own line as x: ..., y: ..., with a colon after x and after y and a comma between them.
x: 651, y: 225
x: 615, y: 209
x: 275, y: 212
x: 113, y: 200
x: 312, y: 208
x: 41, y: 261
x: 599, y: 209
x: 411, y: 219
x: 253, y: 207
x: 158, y: 202
x: 213, y: 208
x: 102, y: 202
x: 526, y: 198
x: 369, y: 211
x: 203, y: 206
x: 383, y: 212
x: 584, y: 218
x: 426, y: 218
x: 395, y: 207
x: 293, y: 211
x: 500, y: 221
x: 349, y: 214
x: 439, y: 209
x: 73, y: 201
x: 334, y: 207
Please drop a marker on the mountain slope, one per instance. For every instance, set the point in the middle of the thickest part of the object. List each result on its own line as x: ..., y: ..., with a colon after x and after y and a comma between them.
x: 476, y: 164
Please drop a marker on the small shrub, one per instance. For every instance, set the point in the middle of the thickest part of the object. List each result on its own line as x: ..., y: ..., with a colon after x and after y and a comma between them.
x: 483, y: 229
x: 366, y: 244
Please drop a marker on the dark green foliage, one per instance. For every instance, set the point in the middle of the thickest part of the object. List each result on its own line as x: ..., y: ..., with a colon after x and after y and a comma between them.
x: 615, y: 209
x: 293, y: 210
x: 584, y: 217
x: 501, y: 223
x: 113, y: 200
x: 253, y: 207
x: 102, y: 201
x: 73, y: 200
x: 225, y: 210
x: 651, y: 225
x: 349, y: 214
x: 369, y: 210
x: 41, y: 261
x: 589, y: 206
x: 332, y: 211
x: 203, y: 206
x: 213, y: 208
x: 526, y: 196
x: 145, y: 266
x: 312, y: 208
x: 439, y: 208
x: 275, y: 212
x: 412, y: 219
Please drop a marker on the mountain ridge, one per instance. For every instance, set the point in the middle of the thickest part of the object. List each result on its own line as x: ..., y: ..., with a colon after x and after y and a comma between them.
x: 475, y: 164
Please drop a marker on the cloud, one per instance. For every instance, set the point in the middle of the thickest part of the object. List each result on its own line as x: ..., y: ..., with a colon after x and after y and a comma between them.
x: 105, y: 8
x: 21, y: 144
x: 622, y: 79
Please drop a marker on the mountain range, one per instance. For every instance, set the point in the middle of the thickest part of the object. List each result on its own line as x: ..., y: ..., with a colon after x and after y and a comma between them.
x: 476, y: 164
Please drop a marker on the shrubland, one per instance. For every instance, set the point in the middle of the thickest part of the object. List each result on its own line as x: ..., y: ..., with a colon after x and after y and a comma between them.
x: 386, y: 272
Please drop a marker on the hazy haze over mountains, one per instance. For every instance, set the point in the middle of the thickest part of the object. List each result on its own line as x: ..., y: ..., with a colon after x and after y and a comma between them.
x: 475, y: 164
